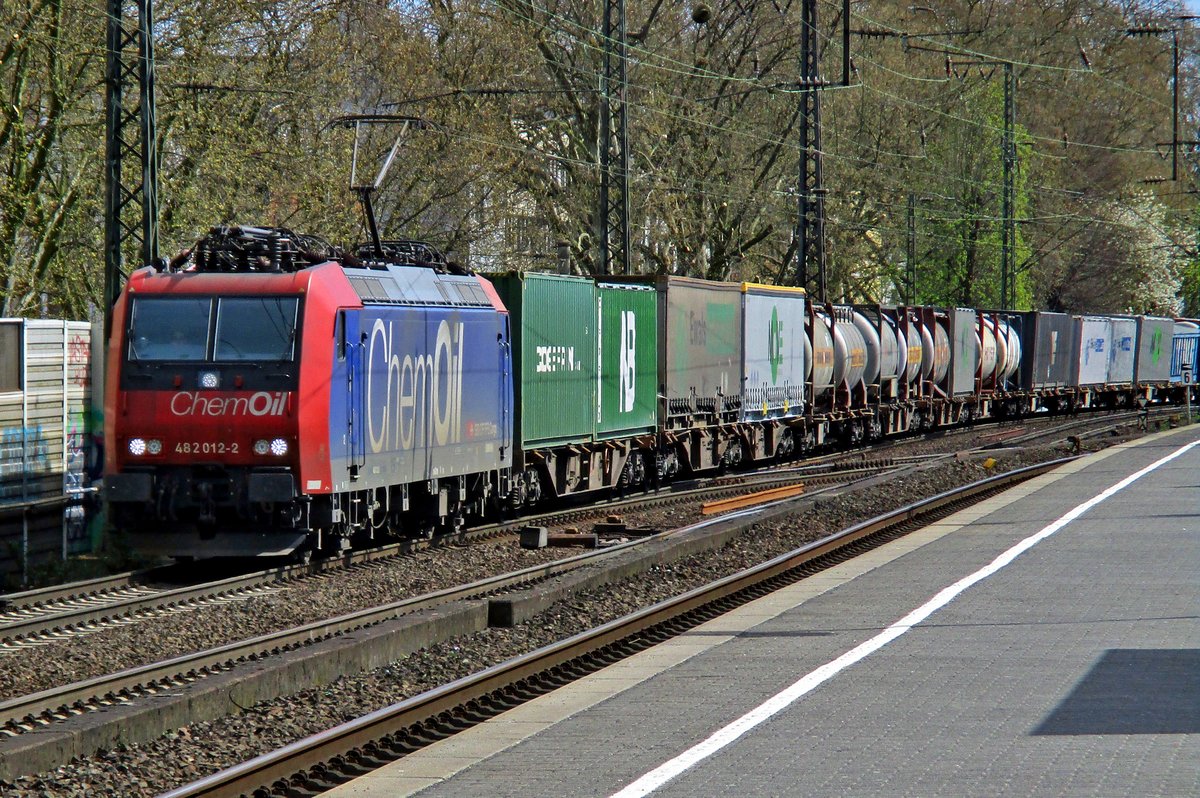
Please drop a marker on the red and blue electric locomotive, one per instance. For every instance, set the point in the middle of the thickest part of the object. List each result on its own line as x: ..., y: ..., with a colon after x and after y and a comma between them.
x: 270, y: 395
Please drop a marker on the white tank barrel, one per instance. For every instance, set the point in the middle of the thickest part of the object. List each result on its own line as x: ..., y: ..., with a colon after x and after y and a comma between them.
x: 901, y: 353
x: 871, y: 347
x: 928, y: 357
x: 821, y: 358
x: 849, y: 354
x: 889, y: 351
x: 941, y: 351
x: 985, y: 339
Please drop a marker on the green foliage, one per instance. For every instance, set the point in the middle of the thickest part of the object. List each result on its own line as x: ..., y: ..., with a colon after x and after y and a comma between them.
x: 505, y: 168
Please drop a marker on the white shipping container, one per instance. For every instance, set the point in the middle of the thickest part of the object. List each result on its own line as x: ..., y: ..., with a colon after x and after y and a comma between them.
x: 1095, y: 344
x: 1123, y: 351
x: 774, y: 362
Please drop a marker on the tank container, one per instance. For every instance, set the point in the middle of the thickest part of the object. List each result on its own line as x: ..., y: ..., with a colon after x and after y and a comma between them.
x: 989, y: 351
x: 871, y: 346
x: 819, y: 350
x: 1007, y: 332
x: 849, y: 352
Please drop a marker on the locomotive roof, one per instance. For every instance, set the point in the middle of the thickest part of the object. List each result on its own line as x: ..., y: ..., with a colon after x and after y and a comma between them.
x: 415, y: 285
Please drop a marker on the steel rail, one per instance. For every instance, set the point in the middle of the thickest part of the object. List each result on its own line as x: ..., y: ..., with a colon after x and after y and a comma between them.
x: 93, y: 612
x: 36, y: 710
x: 21, y: 708
x: 262, y: 772
x: 82, y: 589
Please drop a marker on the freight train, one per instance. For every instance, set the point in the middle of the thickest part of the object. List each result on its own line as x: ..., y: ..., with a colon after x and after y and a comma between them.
x: 269, y: 394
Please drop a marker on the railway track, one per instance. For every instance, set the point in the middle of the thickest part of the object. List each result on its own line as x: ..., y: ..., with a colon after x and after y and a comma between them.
x: 32, y: 712
x: 40, y: 617
x: 85, y: 608
x: 314, y: 764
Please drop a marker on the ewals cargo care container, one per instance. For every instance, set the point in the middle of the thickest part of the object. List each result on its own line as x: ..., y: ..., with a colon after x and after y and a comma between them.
x: 700, y: 324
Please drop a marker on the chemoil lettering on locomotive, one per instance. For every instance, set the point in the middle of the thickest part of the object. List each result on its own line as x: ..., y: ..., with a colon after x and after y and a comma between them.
x: 627, y: 379
x: 422, y: 401
x: 262, y: 403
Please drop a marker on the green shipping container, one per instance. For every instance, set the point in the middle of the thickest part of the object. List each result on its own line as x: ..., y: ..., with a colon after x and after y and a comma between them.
x: 627, y: 401
x: 553, y: 322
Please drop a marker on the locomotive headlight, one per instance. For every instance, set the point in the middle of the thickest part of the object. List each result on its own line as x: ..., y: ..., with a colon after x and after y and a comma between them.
x: 279, y: 447
x: 154, y: 446
x: 262, y: 447
x: 137, y: 446
x: 210, y: 380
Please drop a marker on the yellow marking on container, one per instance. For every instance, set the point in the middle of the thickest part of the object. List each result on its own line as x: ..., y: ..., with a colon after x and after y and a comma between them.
x: 788, y: 289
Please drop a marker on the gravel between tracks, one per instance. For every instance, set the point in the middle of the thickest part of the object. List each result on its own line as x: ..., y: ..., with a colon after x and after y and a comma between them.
x: 202, y: 748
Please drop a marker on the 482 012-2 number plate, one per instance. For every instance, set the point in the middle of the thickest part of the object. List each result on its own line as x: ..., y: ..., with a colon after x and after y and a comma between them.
x: 205, y: 447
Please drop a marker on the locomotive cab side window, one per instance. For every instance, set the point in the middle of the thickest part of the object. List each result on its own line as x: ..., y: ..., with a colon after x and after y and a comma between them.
x: 256, y: 328
x: 169, y: 329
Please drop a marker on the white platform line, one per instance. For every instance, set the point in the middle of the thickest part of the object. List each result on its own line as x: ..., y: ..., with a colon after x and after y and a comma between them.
x: 809, y: 682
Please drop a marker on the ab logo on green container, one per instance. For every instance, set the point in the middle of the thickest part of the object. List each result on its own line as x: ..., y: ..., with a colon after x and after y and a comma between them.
x: 628, y: 366
x: 775, y: 344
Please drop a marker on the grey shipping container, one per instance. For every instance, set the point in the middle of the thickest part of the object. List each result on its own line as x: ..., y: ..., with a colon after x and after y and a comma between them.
x: 700, y: 326
x: 965, y: 351
x: 1049, y: 350
x: 1153, y: 362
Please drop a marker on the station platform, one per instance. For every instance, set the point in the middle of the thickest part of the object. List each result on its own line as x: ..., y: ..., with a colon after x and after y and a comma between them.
x: 1043, y: 643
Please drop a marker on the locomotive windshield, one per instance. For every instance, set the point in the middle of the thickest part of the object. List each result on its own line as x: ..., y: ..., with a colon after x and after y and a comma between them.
x: 169, y: 329
x: 256, y: 328
x: 220, y: 329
